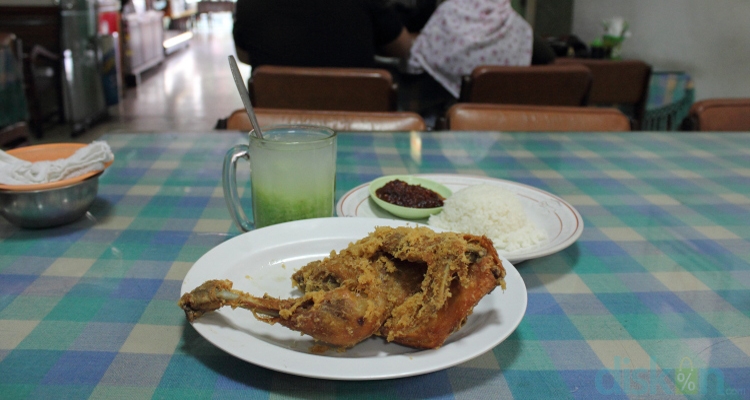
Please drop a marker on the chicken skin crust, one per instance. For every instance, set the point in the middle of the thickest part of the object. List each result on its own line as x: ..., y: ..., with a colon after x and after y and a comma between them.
x: 410, y: 285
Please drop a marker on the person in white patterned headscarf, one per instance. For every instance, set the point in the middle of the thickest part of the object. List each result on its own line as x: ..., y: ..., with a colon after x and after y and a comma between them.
x: 463, y: 34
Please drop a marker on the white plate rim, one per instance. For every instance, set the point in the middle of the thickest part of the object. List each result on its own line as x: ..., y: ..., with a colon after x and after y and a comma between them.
x: 482, y: 338
x: 542, y: 250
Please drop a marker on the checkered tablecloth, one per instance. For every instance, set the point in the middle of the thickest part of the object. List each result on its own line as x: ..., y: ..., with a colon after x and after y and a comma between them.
x: 653, y: 300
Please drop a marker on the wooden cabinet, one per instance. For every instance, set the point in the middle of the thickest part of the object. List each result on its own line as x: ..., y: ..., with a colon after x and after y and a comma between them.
x: 39, y: 29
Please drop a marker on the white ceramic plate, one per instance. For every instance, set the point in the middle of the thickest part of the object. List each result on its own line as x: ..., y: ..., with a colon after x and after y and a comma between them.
x: 263, y: 260
x: 558, y: 218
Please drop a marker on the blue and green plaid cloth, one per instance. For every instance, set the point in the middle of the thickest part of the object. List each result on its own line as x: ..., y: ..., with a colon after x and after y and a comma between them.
x: 652, y: 301
x: 670, y: 95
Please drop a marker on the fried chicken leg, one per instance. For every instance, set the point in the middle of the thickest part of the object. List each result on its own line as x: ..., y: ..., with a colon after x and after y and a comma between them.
x: 410, y: 285
x: 349, y: 310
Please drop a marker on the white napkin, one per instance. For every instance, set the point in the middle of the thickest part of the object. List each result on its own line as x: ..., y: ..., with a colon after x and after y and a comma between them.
x: 14, y: 171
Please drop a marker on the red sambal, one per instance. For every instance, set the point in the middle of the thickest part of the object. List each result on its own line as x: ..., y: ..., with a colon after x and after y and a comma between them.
x: 403, y: 194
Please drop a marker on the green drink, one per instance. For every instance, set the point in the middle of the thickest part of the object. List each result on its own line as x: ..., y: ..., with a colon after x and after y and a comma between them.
x: 292, y: 174
x: 275, y: 207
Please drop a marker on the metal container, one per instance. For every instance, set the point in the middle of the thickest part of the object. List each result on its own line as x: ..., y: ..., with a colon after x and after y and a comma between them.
x: 50, y: 207
x: 82, y: 85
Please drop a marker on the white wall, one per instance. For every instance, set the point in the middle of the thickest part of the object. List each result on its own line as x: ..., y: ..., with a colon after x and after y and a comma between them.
x: 709, y: 39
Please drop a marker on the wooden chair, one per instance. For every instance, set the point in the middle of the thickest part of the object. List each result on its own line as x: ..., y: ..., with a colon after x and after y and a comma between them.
x: 529, y: 118
x: 719, y: 114
x: 307, y: 88
x: 550, y: 85
x: 336, y: 120
x: 617, y: 83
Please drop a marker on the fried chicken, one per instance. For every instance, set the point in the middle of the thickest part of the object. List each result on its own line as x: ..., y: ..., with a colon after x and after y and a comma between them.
x: 409, y: 285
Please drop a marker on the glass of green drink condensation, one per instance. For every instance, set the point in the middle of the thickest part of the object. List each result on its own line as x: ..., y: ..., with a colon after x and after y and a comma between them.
x: 292, y: 175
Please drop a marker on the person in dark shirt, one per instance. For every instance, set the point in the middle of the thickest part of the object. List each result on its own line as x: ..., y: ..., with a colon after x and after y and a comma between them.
x: 414, y: 14
x: 318, y: 33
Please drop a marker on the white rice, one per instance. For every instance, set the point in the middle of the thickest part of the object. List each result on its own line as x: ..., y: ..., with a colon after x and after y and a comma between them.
x: 491, y: 211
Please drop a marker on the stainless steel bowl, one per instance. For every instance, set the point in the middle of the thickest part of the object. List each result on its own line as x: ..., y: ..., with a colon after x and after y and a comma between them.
x: 49, y: 207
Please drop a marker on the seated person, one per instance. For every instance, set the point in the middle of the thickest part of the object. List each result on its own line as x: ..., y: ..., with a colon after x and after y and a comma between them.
x: 318, y: 33
x: 459, y: 36
x: 414, y: 14
x: 464, y: 34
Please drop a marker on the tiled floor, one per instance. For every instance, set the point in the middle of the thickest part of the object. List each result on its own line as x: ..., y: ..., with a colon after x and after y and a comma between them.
x: 188, y: 92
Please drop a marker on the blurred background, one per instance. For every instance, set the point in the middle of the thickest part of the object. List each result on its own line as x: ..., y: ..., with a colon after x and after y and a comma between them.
x: 81, y: 68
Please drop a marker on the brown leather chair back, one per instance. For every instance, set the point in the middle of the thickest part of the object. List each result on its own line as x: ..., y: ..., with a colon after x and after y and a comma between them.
x: 551, y: 85
x: 336, y: 120
x: 341, y: 89
x: 730, y: 114
x: 616, y: 82
x: 529, y: 118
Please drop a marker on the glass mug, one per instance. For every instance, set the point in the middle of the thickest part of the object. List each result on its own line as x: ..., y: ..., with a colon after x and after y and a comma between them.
x: 292, y: 175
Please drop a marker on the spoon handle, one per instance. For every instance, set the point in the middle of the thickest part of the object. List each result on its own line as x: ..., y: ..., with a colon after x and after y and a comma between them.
x: 245, y: 96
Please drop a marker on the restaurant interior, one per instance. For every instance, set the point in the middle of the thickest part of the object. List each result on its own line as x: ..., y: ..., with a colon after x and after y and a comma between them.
x: 148, y: 54
x: 590, y: 210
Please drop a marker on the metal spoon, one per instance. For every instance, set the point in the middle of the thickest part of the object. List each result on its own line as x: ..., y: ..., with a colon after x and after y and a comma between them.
x: 245, y: 96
